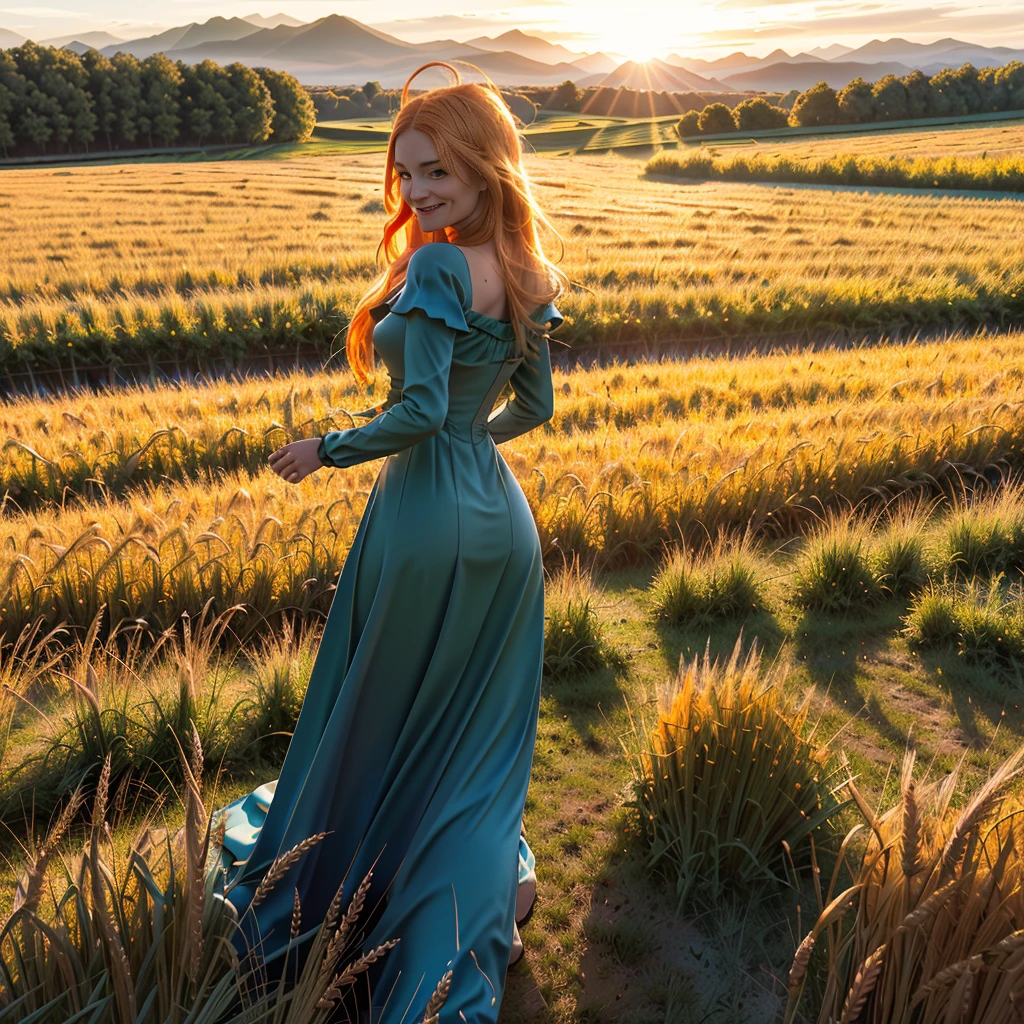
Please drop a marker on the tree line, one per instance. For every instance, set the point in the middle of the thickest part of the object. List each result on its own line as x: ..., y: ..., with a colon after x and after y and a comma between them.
x: 55, y: 101
x: 337, y: 103
x: 621, y: 101
x: 952, y: 92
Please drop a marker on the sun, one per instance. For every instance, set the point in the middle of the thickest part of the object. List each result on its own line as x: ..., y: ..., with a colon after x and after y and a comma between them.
x: 635, y: 43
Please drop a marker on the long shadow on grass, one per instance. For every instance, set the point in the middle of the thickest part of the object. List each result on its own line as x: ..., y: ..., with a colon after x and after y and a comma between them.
x: 719, y: 638
x: 826, y: 646
x: 978, y: 689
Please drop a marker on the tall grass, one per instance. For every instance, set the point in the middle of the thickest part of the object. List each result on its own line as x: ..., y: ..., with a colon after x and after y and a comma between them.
x: 634, y: 458
x: 984, y: 537
x: 932, y: 927
x: 574, y: 641
x: 1003, y: 174
x: 724, y: 779
x: 148, y: 940
x: 897, y: 556
x: 833, y: 571
x: 723, y: 581
x: 980, y: 620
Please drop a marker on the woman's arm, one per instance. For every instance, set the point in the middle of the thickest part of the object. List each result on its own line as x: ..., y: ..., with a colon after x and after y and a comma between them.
x: 534, y: 400
x: 432, y: 303
x: 424, y: 404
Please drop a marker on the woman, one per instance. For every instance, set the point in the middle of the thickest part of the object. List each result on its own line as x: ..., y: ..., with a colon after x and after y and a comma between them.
x: 415, y: 741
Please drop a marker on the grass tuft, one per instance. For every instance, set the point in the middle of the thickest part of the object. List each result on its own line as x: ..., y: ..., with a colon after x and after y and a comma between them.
x: 723, y: 583
x: 723, y: 781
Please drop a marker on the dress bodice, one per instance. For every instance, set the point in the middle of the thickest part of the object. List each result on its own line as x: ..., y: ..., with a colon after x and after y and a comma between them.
x: 483, y: 360
x: 447, y: 364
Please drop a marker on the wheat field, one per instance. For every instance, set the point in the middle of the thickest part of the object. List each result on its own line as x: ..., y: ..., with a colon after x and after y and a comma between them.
x: 704, y: 483
x: 155, y: 501
x: 1001, y: 139
x: 104, y: 265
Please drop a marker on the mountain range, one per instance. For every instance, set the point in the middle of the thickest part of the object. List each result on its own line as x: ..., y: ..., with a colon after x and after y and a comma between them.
x: 337, y: 50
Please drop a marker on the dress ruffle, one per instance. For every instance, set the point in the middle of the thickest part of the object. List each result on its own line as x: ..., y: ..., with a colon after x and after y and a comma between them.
x: 434, y: 284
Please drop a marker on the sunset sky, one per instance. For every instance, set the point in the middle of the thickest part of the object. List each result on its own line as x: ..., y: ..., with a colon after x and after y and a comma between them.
x: 705, y: 27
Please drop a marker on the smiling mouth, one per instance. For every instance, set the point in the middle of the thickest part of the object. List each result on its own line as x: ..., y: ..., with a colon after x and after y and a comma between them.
x: 429, y: 209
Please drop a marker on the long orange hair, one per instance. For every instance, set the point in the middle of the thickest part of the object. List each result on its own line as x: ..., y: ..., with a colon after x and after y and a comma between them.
x: 477, y: 140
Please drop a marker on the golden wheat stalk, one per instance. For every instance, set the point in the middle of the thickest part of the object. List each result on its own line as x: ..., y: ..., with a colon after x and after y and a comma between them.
x: 864, y: 981
x: 281, y: 864
x: 355, y: 908
x: 437, y: 998
x: 798, y: 971
x: 293, y: 931
x: 29, y: 889
x: 347, y: 977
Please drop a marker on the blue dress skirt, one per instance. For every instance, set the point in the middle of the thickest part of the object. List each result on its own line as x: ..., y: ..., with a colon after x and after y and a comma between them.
x: 415, y: 740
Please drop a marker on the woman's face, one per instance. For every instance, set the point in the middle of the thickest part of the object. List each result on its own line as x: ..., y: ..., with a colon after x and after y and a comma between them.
x: 437, y: 196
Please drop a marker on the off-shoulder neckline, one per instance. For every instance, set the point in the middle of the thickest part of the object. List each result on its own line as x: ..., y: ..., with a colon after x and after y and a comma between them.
x: 473, y: 313
x: 501, y: 329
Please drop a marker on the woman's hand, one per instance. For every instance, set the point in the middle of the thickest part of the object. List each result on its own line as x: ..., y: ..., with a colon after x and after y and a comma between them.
x: 296, y: 460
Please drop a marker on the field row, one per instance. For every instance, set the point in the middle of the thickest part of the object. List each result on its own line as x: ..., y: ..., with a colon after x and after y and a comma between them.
x: 634, y: 457
x: 94, y: 447
x: 895, y: 171
x: 225, y: 259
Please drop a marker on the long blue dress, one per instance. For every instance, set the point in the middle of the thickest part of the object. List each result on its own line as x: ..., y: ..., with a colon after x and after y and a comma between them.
x: 415, y: 740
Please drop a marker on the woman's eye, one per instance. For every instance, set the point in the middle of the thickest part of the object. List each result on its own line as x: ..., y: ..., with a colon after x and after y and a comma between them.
x: 439, y: 171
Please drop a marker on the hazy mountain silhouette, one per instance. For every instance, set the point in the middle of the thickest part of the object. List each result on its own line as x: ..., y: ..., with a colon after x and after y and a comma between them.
x: 700, y: 66
x: 785, y: 76
x: 536, y: 48
x: 85, y: 39
x: 273, y: 21
x: 338, y: 50
x: 215, y: 30
x: 833, y: 52
x: 659, y: 76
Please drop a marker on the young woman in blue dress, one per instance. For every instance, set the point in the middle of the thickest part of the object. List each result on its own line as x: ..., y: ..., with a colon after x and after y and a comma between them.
x: 415, y: 740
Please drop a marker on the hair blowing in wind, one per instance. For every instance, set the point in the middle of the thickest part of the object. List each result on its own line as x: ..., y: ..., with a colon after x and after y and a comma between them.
x: 477, y: 140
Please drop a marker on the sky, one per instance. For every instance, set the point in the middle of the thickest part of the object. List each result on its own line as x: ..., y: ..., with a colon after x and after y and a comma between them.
x: 653, y: 28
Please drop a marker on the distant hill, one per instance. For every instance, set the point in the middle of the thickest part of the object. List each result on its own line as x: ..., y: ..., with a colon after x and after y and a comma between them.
x: 337, y: 50
x: 148, y: 45
x: 536, y: 48
x: 737, y: 63
x: 700, y: 66
x: 84, y: 39
x: 833, y: 52
x: 273, y: 21
x: 839, y: 64
x: 659, y: 75
x: 216, y: 30
x: 785, y: 76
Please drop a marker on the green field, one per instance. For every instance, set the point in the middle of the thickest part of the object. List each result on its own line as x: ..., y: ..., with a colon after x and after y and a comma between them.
x: 551, y: 132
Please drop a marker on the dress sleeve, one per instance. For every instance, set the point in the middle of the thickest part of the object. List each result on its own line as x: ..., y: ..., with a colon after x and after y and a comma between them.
x: 433, y: 305
x: 534, y: 399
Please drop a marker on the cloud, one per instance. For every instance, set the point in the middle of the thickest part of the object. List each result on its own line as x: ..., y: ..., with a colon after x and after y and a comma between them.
x: 832, y: 20
x: 46, y: 12
x: 460, y: 25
